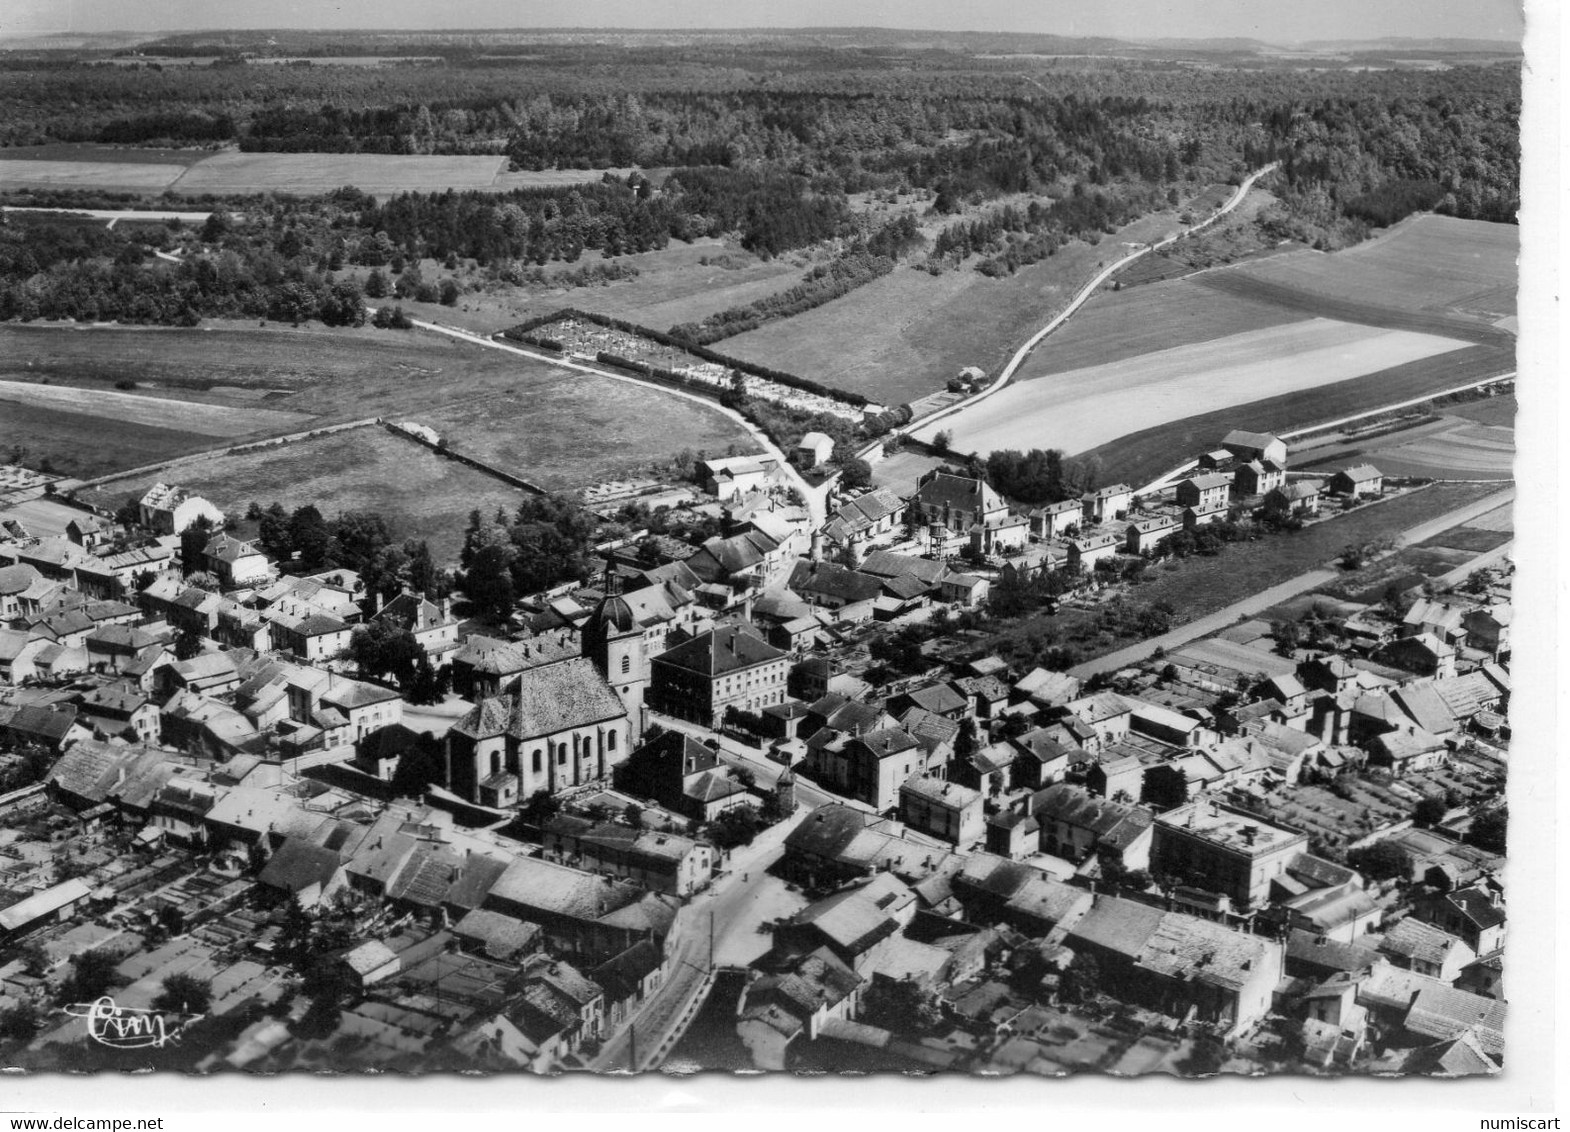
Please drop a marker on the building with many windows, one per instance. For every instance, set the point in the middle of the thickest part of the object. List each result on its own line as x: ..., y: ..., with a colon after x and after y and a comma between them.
x: 728, y: 667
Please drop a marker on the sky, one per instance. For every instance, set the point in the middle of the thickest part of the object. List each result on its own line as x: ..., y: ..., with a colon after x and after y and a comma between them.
x: 1275, y: 21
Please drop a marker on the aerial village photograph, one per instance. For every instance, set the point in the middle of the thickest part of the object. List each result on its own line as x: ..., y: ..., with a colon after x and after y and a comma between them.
x: 961, y: 542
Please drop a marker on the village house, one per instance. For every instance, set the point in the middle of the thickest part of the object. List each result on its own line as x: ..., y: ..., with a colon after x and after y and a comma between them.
x: 1257, y: 477
x: 1106, y: 503
x: 1087, y: 550
x: 745, y: 562
x: 1204, y: 492
x: 868, y: 767
x: 1224, y: 850
x: 434, y: 627
x: 965, y: 590
x: 827, y: 585
x: 683, y: 776
x: 778, y: 1009
x: 1356, y: 481
x: 1300, y: 497
x: 1423, y: 948
x: 1474, y: 914
x: 657, y: 860
x: 956, y: 502
x: 1054, y: 520
x: 1148, y: 534
x: 1075, y: 824
x: 999, y: 536
x: 1488, y: 630
x: 1179, y: 964
x: 1423, y: 654
x: 235, y: 562
x: 944, y: 810
x: 863, y: 522
x: 313, y: 638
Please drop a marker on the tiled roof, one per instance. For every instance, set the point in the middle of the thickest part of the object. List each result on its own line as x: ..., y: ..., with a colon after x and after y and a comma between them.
x: 830, y: 580
x: 718, y: 652
x: 298, y: 864
x: 545, y: 701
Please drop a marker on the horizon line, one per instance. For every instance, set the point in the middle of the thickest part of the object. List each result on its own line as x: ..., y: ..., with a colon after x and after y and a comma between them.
x: 760, y: 29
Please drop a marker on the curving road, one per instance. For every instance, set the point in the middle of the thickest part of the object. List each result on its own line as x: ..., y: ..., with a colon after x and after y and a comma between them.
x: 812, y: 500
x: 1080, y: 299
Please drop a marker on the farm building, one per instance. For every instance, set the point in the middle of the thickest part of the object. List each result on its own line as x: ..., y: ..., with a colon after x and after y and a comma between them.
x: 1364, y: 479
x: 813, y: 449
x: 738, y: 475
x: 55, y: 903
x: 170, y: 509
x: 1247, y: 445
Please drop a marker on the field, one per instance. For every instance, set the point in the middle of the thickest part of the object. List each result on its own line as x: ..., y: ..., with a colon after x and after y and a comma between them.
x: 1432, y: 558
x: 673, y: 285
x: 421, y: 494
x: 552, y: 422
x: 1118, y: 325
x: 1082, y: 408
x: 1140, y: 456
x: 197, y: 417
x: 1430, y: 264
x: 904, y: 335
x: 229, y: 171
x: 579, y: 431
x: 118, y: 176
x: 82, y: 445
x: 1451, y: 447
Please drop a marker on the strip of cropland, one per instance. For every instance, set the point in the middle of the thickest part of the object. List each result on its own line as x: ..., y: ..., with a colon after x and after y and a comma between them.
x: 1120, y: 325
x: 1426, y: 264
x: 195, y: 172
x: 1139, y: 457
x: 1082, y: 408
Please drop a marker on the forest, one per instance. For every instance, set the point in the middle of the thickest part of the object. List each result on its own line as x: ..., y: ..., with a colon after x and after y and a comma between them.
x: 767, y: 143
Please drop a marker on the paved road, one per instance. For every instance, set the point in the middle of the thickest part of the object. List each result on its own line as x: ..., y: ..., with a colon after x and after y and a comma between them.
x: 813, y: 501
x: 1215, y: 622
x: 665, y: 1015
x: 1079, y: 300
